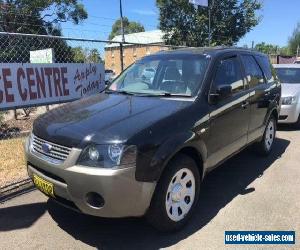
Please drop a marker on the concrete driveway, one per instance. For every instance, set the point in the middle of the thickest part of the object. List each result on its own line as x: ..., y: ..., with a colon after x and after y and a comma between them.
x: 246, y: 193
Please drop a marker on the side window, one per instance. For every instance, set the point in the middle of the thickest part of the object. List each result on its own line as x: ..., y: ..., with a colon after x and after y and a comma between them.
x: 229, y: 73
x: 253, y: 72
x: 266, y: 67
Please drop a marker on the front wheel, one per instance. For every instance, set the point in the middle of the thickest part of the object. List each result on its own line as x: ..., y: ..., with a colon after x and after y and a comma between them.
x: 176, y: 195
x: 264, y: 147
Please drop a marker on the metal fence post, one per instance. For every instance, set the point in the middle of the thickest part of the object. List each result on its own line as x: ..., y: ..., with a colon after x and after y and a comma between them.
x: 121, y: 57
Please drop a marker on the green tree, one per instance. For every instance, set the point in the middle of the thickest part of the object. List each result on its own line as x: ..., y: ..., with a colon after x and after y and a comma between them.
x: 37, y: 17
x: 294, y: 41
x: 94, y: 56
x: 285, y: 51
x: 129, y: 27
x: 79, y: 55
x: 183, y: 24
x: 1, y: 117
x: 86, y: 55
x: 267, y: 48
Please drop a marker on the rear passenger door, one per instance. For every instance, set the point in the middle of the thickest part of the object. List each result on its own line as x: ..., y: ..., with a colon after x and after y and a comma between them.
x: 259, y: 93
x: 229, y: 116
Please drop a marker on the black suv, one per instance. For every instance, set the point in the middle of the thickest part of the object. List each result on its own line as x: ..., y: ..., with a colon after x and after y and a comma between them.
x: 144, y: 145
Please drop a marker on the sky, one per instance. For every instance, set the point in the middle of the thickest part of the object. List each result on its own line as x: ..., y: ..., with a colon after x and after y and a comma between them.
x: 278, y: 20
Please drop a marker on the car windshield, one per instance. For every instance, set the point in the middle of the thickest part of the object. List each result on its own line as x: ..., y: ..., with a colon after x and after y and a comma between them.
x: 289, y: 75
x: 163, y: 75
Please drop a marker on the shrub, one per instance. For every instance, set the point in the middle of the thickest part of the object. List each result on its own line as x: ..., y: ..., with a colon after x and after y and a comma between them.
x: 1, y: 117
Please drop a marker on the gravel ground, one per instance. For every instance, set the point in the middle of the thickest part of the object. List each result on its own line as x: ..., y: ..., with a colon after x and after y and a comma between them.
x: 245, y: 193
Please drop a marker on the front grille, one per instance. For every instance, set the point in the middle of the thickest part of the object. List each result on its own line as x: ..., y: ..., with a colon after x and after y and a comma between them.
x: 57, y: 152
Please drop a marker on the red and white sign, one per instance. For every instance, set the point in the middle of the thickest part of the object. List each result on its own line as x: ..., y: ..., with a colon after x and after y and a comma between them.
x: 38, y: 84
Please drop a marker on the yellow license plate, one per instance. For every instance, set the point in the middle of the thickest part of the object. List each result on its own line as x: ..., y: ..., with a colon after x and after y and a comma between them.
x: 43, y: 185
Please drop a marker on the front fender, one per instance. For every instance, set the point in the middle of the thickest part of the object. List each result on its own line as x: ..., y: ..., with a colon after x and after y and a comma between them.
x: 152, y: 168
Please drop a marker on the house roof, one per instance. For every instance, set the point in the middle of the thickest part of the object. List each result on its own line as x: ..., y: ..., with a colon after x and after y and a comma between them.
x: 147, y: 37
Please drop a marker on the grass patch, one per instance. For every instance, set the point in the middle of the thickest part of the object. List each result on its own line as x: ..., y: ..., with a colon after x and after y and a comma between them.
x: 12, y: 161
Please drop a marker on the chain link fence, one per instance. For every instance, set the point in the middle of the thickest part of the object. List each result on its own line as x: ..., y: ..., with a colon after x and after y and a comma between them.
x: 16, y: 47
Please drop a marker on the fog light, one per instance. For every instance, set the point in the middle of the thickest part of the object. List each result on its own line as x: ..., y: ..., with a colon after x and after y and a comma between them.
x: 93, y: 154
x: 95, y: 200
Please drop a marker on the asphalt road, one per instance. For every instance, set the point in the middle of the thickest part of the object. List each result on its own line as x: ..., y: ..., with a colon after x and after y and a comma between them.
x: 246, y: 193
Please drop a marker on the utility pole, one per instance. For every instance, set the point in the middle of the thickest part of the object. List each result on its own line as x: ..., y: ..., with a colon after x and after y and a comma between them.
x: 122, y: 25
x: 209, y: 26
x: 123, y: 37
x: 298, y: 48
x: 210, y: 6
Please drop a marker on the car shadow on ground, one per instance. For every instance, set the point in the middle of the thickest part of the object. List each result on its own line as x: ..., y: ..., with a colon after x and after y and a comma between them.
x: 287, y: 127
x: 219, y: 188
x: 22, y: 216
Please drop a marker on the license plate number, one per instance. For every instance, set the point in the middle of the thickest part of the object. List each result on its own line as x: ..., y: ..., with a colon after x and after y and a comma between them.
x: 43, y: 185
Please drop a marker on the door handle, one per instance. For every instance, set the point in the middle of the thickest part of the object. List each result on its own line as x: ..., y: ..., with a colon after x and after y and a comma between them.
x: 245, y: 105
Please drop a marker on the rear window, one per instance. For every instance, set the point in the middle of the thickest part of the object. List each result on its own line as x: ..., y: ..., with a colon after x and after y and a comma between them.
x: 289, y: 75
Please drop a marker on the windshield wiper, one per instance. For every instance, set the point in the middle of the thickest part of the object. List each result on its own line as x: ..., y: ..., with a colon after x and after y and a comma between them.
x: 168, y: 94
x: 164, y: 94
x: 124, y: 92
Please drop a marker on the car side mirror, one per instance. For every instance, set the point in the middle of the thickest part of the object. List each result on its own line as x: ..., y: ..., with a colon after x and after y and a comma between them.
x: 222, y: 92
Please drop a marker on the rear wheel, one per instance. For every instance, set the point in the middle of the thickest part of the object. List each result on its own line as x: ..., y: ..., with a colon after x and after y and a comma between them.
x: 264, y: 147
x: 176, y: 195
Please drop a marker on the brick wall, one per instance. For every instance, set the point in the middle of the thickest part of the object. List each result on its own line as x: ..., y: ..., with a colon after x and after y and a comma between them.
x: 131, y: 54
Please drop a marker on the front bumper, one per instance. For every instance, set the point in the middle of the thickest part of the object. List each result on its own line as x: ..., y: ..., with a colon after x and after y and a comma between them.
x: 289, y: 113
x: 123, y: 195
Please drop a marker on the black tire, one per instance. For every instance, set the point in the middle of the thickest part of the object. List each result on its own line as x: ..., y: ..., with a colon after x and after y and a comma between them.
x: 157, y: 214
x: 261, y: 146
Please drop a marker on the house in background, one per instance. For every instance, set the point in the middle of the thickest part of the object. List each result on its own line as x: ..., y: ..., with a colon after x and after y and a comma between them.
x: 131, y: 52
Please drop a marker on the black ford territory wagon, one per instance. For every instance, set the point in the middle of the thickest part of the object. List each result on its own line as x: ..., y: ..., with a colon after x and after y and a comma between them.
x: 143, y: 146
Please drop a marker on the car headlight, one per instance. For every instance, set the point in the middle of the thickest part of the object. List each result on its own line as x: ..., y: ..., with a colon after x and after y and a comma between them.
x: 108, y: 156
x: 289, y: 100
